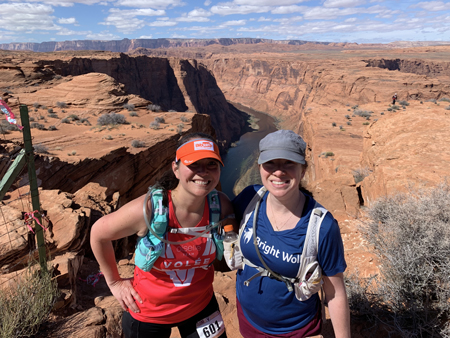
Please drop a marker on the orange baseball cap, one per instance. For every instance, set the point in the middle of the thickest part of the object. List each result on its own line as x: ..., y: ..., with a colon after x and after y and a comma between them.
x: 197, y: 149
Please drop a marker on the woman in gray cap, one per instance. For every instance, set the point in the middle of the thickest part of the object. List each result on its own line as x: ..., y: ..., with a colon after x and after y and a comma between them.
x: 279, y: 276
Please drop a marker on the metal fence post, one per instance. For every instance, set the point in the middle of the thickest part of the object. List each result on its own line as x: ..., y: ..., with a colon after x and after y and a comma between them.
x: 33, y: 184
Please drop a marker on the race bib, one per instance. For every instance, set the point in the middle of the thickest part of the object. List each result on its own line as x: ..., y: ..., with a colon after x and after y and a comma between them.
x: 211, y: 326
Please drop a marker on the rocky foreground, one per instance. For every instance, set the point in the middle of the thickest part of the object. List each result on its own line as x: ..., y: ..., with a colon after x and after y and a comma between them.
x: 361, y: 147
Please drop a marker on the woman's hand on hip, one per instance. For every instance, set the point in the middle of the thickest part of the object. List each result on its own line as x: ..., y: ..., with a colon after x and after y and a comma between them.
x: 125, y: 293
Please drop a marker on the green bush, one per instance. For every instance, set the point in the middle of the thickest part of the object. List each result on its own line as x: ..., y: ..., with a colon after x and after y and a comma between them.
x: 445, y: 99
x: 26, y: 304
x: 61, y: 104
x: 184, y: 119
x: 137, y: 144
x: 154, y: 125
x: 410, y: 235
x: 128, y: 106
x: 133, y: 114
x: 154, y: 107
x: 111, y: 118
x: 180, y: 128
x: 363, y: 113
x: 160, y: 119
x: 40, y: 149
x: 65, y: 120
x: 334, y: 124
x: 403, y: 103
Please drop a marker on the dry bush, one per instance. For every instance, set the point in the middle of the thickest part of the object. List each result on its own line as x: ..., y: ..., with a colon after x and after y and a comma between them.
x: 111, y: 118
x: 26, y: 304
x: 410, y: 234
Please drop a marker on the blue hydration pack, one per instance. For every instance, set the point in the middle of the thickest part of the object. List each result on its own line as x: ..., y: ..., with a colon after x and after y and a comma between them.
x: 152, y: 245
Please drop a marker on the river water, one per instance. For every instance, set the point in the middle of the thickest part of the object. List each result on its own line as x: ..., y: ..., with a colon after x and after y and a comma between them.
x: 243, y: 156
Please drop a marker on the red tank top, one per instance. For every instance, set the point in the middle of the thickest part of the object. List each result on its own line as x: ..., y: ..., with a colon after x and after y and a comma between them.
x: 180, y: 283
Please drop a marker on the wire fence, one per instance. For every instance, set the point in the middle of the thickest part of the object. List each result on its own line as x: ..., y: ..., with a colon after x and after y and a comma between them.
x: 18, y: 247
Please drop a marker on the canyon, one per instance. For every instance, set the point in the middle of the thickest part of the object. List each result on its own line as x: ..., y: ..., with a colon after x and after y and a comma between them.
x: 338, y: 97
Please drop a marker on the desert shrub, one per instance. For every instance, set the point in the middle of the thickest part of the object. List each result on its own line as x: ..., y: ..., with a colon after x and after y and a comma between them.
x: 363, y: 113
x: 53, y: 115
x: 360, y: 173
x: 31, y: 118
x: 349, y: 123
x: 382, y: 113
x: 326, y: 154
x: 154, y: 125
x: 3, y: 130
x: 50, y: 110
x: 73, y: 117
x: 180, y: 128
x: 160, y: 119
x: 347, y: 117
x: 431, y: 100
x: 366, y: 123
x: 389, y: 109
x: 341, y: 127
x: 334, y: 124
x: 445, y: 99
x: 184, y: 119
x: 133, y: 114
x: 41, y: 117
x: 85, y: 120
x: 52, y: 128
x: 172, y: 111
x: 154, y: 107
x: 36, y: 105
x: 395, y: 107
x: 61, y: 104
x: 26, y: 304
x: 58, y: 77
x: 355, y: 107
x: 108, y: 137
x: 403, y: 103
x: 44, y: 107
x: 128, y: 106
x: 111, y: 118
x: 410, y: 235
x: 65, y: 120
x: 41, y: 149
x: 137, y: 144
x: 37, y: 126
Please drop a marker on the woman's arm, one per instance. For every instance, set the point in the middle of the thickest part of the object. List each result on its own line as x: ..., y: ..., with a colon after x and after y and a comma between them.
x: 126, y: 221
x: 336, y: 297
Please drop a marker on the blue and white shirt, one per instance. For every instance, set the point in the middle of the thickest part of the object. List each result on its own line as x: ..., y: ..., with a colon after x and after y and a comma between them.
x: 266, y: 302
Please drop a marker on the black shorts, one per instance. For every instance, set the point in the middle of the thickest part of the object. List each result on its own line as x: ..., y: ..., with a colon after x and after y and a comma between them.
x: 133, y: 328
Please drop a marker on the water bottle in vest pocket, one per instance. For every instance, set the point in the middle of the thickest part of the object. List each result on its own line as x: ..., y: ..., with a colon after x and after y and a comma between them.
x: 310, y: 283
x: 147, y: 252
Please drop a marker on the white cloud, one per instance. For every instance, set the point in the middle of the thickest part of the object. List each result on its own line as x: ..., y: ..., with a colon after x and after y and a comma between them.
x: 162, y: 24
x: 27, y: 17
x: 234, y: 23
x: 196, y: 15
x: 229, y: 9
x: 66, y: 3
x: 103, y: 35
x: 126, y: 21
x: 159, y: 4
x: 266, y: 2
x: 343, y: 3
x: 67, y: 21
x: 145, y: 37
x: 207, y: 2
x: 288, y: 9
x: 432, y: 6
x: 262, y: 18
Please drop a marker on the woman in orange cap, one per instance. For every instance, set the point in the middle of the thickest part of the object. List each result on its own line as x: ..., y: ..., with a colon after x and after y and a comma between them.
x: 172, y: 284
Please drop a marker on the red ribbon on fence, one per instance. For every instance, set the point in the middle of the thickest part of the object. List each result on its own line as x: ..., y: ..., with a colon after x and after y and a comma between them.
x: 9, y: 114
x: 28, y: 218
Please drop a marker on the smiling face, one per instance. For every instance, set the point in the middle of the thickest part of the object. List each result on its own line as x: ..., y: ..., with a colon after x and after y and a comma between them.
x: 198, y: 178
x: 282, y: 177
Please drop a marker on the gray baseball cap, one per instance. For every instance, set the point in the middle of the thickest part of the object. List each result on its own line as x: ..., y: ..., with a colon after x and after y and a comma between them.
x: 282, y: 144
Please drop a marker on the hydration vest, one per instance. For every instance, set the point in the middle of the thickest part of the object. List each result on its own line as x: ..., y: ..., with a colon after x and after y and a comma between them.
x: 309, y: 277
x: 152, y: 245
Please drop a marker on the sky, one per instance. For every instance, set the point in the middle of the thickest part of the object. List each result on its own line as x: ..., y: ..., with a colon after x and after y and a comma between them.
x: 361, y: 21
